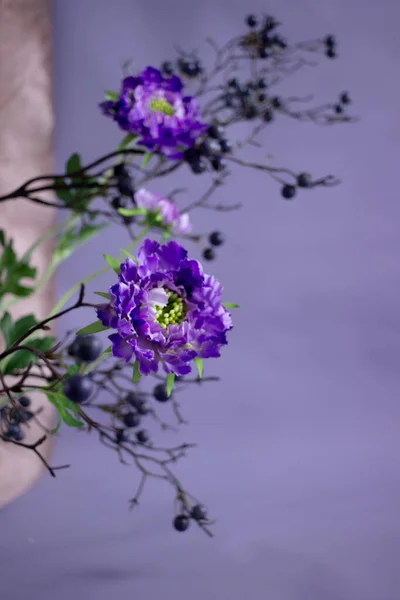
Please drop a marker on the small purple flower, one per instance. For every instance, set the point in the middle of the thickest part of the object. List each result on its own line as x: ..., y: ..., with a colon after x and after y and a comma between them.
x: 165, y: 310
x: 166, y: 211
x: 152, y: 106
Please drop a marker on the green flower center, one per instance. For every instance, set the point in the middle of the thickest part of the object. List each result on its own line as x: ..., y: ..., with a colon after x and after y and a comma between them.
x: 172, y: 313
x: 162, y: 106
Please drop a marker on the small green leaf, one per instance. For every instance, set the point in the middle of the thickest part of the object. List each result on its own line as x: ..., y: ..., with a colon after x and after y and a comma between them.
x: 22, y: 326
x: 65, y: 194
x: 129, y: 255
x: 170, y: 383
x: 63, y: 405
x: 102, y: 294
x: 112, y: 262
x: 58, y: 425
x: 70, y: 421
x: 131, y: 212
x: 199, y: 364
x: 92, y: 328
x: 146, y: 160
x: 6, y: 326
x: 73, y: 164
x: 109, y: 95
x: 112, y: 410
x: 21, y: 358
x: 230, y: 305
x: 136, y: 373
x: 127, y: 141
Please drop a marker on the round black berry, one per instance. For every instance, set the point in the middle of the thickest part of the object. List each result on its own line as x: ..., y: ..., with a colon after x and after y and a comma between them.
x: 208, y: 254
x: 268, y: 116
x: 233, y: 83
x: 225, y: 146
x: 160, y: 393
x: 142, y: 436
x: 167, y: 68
x: 330, y: 41
x: 338, y: 109
x: 13, y: 429
x: 78, y: 388
x: 209, y: 147
x: 250, y: 111
x: 131, y: 419
x: 262, y: 83
x: 199, y: 513
x: 216, y: 238
x: 270, y: 23
x: 22, y: 416
x: 72, y: 348
x: 125, y: 186
x: 303, y: 180
x: 198, y: 167
x: 24, y: 401
x: 331, y: 53
x: 181, y: 522
x: 251, y: 21
x: 345, y: 98
x: 263, y: 52
x: 121, y: 170
x: 217, y: 163
x: 88, y: 348
x: 261, y: 97
x: 215, y: 131
x: 288, y: 191
x: 121, y: 436
x: 228, y: 99
x: 119, y: 202
x: 276, y: 102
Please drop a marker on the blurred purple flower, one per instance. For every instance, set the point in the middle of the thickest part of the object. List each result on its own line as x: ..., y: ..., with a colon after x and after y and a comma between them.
x: 165, y: 310
x: 165, y: 209
x: 152, y: 106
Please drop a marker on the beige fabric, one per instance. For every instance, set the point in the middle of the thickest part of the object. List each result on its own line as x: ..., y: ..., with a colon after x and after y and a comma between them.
x: 26, y: 125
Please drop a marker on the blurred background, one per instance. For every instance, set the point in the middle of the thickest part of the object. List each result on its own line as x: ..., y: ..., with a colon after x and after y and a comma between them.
x: 298, y: 445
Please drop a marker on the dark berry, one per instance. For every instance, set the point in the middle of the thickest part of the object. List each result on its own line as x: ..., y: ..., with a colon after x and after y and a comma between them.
x: 270, y: 23
x: 261, y: 97
x: 142, y: 436
x: 331, y: 53
x: 276, y: 102
x: 121, y: 436
x: 121, y: 170
x: 131, y: 419
x: 345, y: 98
x: 198, y: 167
x: 330, y: 41
x: 199, y: 513
x: 217, y: 163
x: 250, y: 111
x: 13, y: 429
x: 228, y: 100
x: 160, y: 393
x: 233, y: 83
x: 78, y: 388
x: 208, y: 254
x: 338, y: 109
x: 251, y: 21
x: 119, y: 202
x: 88, y: 348
x: 72, y: 348
x: 22, y: 416
x: 277, y: 40
x: 303, y: 180
x: 263, y: 52
x: 125, y: 186
x: 137, y: 402
x: 216, y: 238
x: 128, y: 220
x: 181, y: 522
x: 209, y: 147
x: 244, y: 92
x: 167, y: 68
x: 24, y: 401
x: 215, y: 131
x: 288, y: 191
x: 225, y: 146
x: 268, y: 116
x: 262, y: 83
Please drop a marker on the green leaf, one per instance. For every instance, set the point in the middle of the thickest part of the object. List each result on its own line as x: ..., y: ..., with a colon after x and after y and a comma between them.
x: 112, y: 262
x: 170, y: 383
x: 92, y: 328
x: 102, y: 294
x: 136, y: 373
x: 21, y: 358
x: 69, y: 420
x: 2, y: 237
x: 63, y: 405
x: 230, y: 305
x: 6, y: 326
x: 127, y: 141
x: 199, y: 364
x: 22, y: 326
x: 146, y: 160
x: 129, y: 255
x: 65, y: 195
x: 131, y: 212
x: 73, y: 164
x: 112, y: 410
x: 109, y: 95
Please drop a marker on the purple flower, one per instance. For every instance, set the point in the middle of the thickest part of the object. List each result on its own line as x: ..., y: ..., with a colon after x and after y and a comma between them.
x: 152, y: 106
x: 165, y: 310
x: 166, y: 211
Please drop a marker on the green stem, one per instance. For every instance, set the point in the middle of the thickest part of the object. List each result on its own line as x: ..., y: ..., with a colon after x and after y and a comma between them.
x: 94, y: 275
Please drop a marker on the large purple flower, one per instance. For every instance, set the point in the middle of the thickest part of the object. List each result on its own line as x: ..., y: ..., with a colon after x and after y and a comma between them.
x: 152, y: 106
x: 165, y: 310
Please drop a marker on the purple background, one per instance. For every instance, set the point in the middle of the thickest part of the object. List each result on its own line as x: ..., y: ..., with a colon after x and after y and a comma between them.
x: 298, y: 452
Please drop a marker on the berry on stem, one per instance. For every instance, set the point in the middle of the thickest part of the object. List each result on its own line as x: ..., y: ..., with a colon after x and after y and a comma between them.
x: 87, y: 348
x: 208, y: 254
x: 142, y: 436
x: 24, y: 401
x: 288, y: 192
x: 181, y: 522
x: 78, y: 388
x: 131, y: 419
x: 160, y: 393
x: 304, y: 180
x: 199, y: 513
x: 121, y: 436
x: 345, y: 98
x: 251, y: 21
x: 216, y: 238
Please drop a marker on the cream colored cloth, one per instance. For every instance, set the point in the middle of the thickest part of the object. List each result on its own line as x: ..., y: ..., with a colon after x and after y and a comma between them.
x: 26, y: 125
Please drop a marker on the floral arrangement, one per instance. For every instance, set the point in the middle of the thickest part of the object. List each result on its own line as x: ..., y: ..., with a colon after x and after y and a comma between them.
x: 163, y: 314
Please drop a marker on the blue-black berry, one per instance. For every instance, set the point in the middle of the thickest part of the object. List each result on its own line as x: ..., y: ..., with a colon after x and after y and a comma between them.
x: 125, y: 186
x: 216, y: 238
x: 215, y: 131
x: 199, y: 513
x: 338, y: 109
x: 288, y: 191
x: 331, y: 53
x: 87, y: 348
x: 268, y: 116
x: 276, y: 102
x: 78, y: 388
x: 262, y: 83
x: 131, y: 419
x: 208, y: 254
x: 345, y: 98
x: 263, y: 52
x: 160, y: 393
x: 304, y: 180
x: 142, y: 436
x: 121, y: 436
x: 181, y: 522
x: 330, y: 41
x: 225, y: 146
x: 24, y: 401
x: 167, y: 68
x: 251, y: 21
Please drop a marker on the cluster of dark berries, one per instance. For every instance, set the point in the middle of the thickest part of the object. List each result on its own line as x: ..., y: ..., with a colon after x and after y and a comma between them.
x: 132, y: 418
x: 288, y: 191
x: 330, y: 46
x: 209, y: 152
x: 84, y: 349
x: 190, y: 67
x: 263, y: 37
x: 216, y: 238
x: 197, y: 513
x: 12, y: 418
x: 344, y: 100
x: 126, y: 190
x: 250, y: 99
